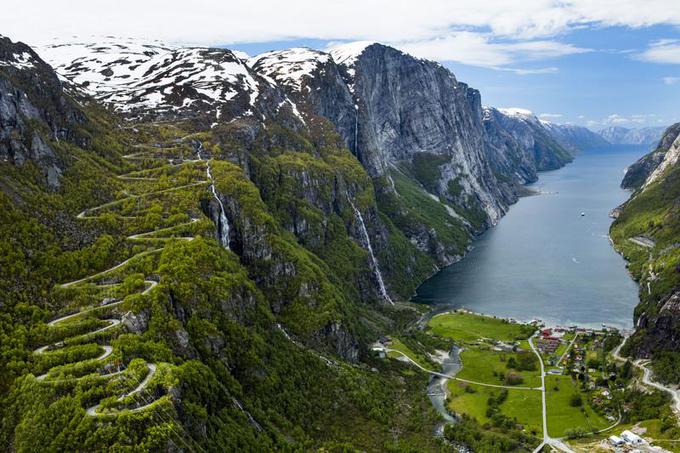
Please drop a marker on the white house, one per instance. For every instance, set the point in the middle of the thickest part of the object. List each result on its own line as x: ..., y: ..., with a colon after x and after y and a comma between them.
x: 616, y: 441
x: 631, y: 438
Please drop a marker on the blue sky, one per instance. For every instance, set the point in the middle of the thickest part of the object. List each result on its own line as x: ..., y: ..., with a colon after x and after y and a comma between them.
x: 608, y: 85
x: 590, y: 62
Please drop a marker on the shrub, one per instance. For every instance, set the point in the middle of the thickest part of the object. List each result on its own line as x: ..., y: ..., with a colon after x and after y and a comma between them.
x: 576, y: 400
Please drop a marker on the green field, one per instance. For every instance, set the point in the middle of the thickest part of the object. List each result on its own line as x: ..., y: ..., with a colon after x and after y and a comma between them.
x: 470, y: 327
x: 561, y: 415
x: 481, y: 364
x: 522, y: 405
x: 474, y: 404
x: 399, y: 346
x: 525, y: 406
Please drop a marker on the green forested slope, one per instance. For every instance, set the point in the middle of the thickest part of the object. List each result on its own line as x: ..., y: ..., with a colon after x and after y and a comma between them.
x: 647, y: 233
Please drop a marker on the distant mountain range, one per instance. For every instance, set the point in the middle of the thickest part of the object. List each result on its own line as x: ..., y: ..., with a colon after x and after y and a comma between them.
x: 617, y: 135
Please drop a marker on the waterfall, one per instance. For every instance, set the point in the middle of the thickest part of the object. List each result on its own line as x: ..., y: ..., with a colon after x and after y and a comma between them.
x: 374, y: 261
x: 223, y: 223
x: 356, y: 129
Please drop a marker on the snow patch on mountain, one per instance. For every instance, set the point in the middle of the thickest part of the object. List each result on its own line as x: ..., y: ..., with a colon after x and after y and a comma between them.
x: 517, y: 112
x: 289, y: 67
x: 135, y: 77
x: 347, y: 54
x: 22, y: 60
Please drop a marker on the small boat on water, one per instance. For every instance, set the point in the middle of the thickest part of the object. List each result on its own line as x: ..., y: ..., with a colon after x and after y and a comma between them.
x: 583, y: 214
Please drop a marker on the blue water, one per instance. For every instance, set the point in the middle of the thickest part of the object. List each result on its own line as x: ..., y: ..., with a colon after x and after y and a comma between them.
x: 546, y: 261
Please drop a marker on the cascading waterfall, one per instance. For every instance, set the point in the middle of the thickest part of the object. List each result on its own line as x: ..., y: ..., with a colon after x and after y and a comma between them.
x: 374, y: 261
x: 356, y: 129
x: 223, y: 223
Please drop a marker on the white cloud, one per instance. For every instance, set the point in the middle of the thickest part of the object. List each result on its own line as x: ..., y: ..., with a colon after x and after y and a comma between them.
x: 491, y: 33
x: 480, y: 49
x: 548, y: 116
x: 671, y: 80
x: 617, y: 119
x: 662, y: 51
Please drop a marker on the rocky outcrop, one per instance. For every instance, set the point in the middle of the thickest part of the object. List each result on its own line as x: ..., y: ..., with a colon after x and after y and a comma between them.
x: 33, y: 110
x: 661, y: 331
x: 640, y: 173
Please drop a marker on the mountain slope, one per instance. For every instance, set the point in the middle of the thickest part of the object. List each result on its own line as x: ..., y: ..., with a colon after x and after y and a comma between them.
x: 128, y: 317
x: 574, y: 138
x: 225, y: 240
x: 520, y: 145
x: 166, y: 82
x: 651, y: 218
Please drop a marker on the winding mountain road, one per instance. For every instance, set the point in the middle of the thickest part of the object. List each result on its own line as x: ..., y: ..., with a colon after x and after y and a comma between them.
x: 113, y: 320
x: 647, y: 377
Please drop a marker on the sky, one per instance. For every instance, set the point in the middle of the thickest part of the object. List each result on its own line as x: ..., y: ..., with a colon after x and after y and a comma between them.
x: 595, y: 63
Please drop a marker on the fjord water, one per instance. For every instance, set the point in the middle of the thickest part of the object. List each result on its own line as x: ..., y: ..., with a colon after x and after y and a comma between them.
x: 546, y: 261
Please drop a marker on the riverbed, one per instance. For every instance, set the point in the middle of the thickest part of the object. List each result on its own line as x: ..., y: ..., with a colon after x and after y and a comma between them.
x: 550, y: 257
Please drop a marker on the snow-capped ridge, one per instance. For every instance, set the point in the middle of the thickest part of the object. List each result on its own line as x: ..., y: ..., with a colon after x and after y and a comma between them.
x: 517, y: 112
x: 346, y: 54
x: 289, y: 67
x: 136, y: 77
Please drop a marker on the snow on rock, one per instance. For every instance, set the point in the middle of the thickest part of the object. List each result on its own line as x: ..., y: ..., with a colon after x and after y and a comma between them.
x: 347, y: 54
x: 289, y: 67
x: 22, y: 60
x: 517, y: 112
x: 136, y: 77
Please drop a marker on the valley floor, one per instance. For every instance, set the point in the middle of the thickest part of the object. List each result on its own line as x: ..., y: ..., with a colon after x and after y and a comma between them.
x: 554, y: 385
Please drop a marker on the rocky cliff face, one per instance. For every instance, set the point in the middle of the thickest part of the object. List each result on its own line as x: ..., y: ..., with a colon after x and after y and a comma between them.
x: 638, y: 174
x: 33, y: 111
x: 409, y: 107
x: 623, y: 136
x: 520, y: 146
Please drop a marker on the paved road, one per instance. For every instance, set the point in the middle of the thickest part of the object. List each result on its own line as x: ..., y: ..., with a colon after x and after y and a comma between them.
x: 107, y: 350
x: 447, y: 376
x: 642, y: 241
x: 647, y: 377
x: 547, y: 440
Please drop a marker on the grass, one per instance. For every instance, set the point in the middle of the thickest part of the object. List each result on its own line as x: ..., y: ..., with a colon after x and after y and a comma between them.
x: 480, y: 365
x: 522, y: 405
x: 471, y: 403
x: 562, y: 415
x: 470, y: 327
x: 400, y: 346
x: 525, y: 406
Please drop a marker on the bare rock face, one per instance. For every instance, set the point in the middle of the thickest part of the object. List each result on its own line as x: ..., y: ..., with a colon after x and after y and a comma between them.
x: 33, y: 108
x: 521, y: 144
x: 660, y: 332
x: 638, y: 174
x: 340, y: 340
x: 136, y: 322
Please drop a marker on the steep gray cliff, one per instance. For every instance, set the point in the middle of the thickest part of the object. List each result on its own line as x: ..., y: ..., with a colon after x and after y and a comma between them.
x: 409, y: 107
x: 638, y: 173
x: 33, y: 110
x: 520, y: 146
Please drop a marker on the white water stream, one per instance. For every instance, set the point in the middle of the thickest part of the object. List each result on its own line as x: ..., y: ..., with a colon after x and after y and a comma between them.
x: 369, y: 247
x: 223, y: 224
